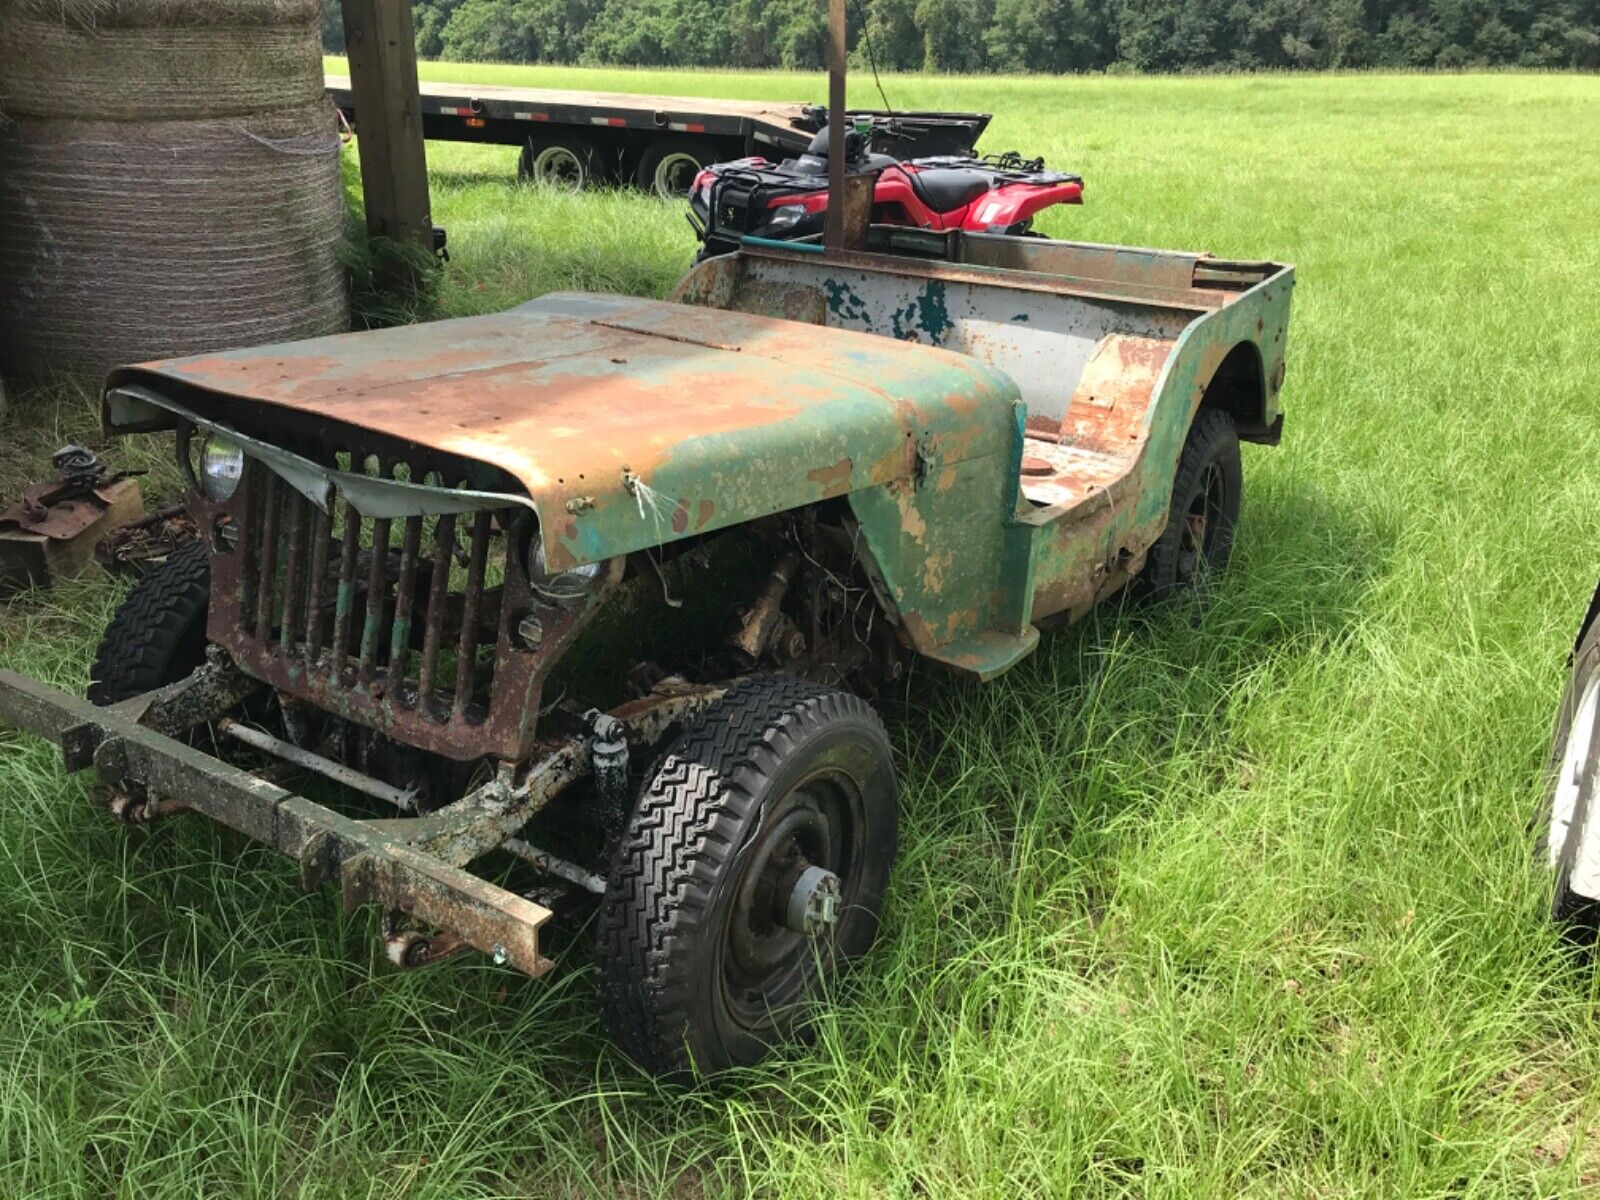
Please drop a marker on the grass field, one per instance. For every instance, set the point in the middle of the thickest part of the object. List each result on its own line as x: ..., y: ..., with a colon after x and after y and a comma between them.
x: 1220, y: 904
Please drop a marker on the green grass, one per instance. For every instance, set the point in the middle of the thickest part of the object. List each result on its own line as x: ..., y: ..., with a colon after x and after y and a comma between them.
x: 1230, y: 904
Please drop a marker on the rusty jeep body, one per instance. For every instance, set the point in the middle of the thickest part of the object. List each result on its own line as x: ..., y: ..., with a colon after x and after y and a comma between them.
x: 609, y: 577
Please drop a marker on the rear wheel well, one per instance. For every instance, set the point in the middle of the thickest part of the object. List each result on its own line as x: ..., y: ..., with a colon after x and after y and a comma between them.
x: 1239, y: 388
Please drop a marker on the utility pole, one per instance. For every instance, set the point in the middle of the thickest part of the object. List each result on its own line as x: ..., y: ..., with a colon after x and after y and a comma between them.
x: 380, y: 40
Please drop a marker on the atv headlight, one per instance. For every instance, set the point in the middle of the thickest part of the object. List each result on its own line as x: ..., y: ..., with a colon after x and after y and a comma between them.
x: 220, y: 467
x: 569, y: 587
x: 785, y: 216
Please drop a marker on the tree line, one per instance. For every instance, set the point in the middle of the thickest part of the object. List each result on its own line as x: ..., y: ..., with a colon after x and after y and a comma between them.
x: 1047, y: 36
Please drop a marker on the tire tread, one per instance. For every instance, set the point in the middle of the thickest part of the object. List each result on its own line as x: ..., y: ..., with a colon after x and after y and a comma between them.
x: 1212, y: 433
x: 148, y: 632
x: 679, y: 840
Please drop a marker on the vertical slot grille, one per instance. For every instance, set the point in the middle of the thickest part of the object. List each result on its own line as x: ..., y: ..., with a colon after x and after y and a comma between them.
x: 406, y: 610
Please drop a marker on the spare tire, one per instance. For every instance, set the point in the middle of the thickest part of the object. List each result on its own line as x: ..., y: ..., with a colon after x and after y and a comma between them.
x: 158, y: 633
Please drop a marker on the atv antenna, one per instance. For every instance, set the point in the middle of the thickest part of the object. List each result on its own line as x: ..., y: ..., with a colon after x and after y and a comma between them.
x: 872, y: 57
x: 833, y: 228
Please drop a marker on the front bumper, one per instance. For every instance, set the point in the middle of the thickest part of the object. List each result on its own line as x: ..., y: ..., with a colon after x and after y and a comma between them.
x: 414, y: 866
x: 391, y: 863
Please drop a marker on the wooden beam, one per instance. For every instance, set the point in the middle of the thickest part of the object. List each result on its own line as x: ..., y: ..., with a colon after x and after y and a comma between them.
x: 380, y: 40
x: 834, y: 223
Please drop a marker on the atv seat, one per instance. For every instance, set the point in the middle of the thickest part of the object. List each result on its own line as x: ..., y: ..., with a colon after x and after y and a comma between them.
x: 945, y: 188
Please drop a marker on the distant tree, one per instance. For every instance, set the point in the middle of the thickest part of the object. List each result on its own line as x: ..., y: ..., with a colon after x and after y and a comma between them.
x: 1166, y: 35
x: 332, y: 27
x: 430, y: 18
x: 1049, y: 36
x: 509, y: 30
x: 660, y: 32
x: 778, y: 33
x: 489, y: 31
x: 953, y: 34
x: 896, y: 36
x: 1013, y: 35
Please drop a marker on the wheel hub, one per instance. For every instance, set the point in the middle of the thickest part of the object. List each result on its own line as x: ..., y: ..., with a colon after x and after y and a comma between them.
x: 812, y: 908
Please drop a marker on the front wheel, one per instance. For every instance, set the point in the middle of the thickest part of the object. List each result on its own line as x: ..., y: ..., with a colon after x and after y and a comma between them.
x: 1198, y: 539
x: 1570, y: 840
x: 751, y: 872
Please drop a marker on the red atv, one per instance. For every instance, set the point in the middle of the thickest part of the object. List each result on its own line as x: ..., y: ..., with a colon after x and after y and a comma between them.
x: 752, y: 197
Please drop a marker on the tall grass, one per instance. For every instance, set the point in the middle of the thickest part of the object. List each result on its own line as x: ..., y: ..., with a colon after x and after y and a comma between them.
x: 1232, y: 901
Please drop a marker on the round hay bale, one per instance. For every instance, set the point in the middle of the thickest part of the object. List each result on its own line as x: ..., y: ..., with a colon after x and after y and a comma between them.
x: 129, y: 242
x: 156, y: 72
x: 135, y: 14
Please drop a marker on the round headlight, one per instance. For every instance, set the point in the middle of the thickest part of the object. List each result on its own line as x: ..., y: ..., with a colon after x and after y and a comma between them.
x: 221, y: 466
x: 564, y: 587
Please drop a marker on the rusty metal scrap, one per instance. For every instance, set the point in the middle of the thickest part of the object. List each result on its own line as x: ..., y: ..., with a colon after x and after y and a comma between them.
x: 139, y: 546
x: 755, y: 632
x: 53, y: 529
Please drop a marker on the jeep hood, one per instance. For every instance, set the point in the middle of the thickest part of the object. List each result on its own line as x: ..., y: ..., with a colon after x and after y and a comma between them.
x: 629, y: 422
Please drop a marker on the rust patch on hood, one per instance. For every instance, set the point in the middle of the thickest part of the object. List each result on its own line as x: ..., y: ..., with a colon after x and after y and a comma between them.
x: 831, y: 478
x: 643, y: 413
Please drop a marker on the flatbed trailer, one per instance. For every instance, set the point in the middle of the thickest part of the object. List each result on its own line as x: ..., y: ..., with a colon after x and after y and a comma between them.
x: 581, y: 139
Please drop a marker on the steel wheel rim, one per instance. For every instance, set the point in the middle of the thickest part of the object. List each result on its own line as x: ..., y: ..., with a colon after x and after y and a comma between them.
x: 1576, y: 773
x: 558, y: 167
x: 1202, y: 523
x: 675, y: 173
x: 764, y: 968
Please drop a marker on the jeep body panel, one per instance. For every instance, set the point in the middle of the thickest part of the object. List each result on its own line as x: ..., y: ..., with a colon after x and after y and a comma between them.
x: 1005, y: 420
x: 1113, y: 350
x: 630, y: 423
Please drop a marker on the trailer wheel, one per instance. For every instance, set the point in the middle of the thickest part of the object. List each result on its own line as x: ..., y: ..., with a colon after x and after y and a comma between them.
x: 751, y: 872
x: 158, y: 633
x: 1204, y: 512
x: 1569, y: 806
x: 569, y: 162
x: 668, y: 166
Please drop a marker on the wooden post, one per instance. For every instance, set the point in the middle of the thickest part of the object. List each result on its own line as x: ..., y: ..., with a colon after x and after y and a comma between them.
x: 833, y: 224
x: 381, y: 43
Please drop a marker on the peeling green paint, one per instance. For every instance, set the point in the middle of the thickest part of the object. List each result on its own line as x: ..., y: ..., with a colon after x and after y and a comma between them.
x: 843, y: 302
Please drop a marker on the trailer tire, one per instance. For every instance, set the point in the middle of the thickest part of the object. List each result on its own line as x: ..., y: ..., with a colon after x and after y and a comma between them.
x: 158, y: 634
x: 565, y: 161
x: 669, y: 160
x: 698, y: 972
x: 1204, y: 512
x: 1572, y: 780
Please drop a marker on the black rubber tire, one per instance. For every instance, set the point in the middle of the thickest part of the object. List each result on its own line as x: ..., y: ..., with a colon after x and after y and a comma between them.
x: 158, y: 634
x: 1210, y: 456
x: 1579, y: 914
x: 693, y: 837
x: 585, y: 159
x: 664, y: 148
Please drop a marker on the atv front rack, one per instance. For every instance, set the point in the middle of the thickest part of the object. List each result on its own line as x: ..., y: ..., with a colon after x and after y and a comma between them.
x: 415, y: 866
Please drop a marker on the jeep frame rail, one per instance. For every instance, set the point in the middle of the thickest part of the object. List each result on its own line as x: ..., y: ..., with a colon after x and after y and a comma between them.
x: 412, y: 866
